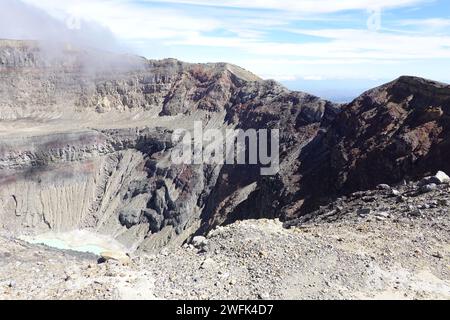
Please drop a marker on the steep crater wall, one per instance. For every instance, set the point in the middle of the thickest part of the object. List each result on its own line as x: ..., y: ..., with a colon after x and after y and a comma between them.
x: 116, y: 182
x: 85, y: 141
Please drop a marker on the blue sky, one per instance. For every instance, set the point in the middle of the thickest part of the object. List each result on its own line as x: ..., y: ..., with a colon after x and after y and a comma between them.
x: 336, y: 48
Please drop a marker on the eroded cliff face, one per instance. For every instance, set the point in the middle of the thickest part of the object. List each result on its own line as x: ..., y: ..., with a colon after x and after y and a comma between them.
x: 86, y: 138
x: 399, y: 131
x: 85, y: 142
x: 35, y: 81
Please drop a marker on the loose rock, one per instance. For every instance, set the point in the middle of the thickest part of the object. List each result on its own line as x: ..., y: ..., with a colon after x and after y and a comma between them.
x: 121, y: 257
x: 428, y: 188
x: 439, y: 178
x: 363, y: 212
x: 199, y: 242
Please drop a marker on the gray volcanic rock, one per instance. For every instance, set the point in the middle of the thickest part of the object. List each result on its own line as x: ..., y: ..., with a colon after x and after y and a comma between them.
x: 85, y: 142
x: 399, y: 131
x: 390, y: 253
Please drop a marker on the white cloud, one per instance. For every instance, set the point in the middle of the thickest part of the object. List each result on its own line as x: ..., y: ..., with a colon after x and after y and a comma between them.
x: 313, y: 77
x: 130, y: 21
x: 249, y: 37
x: 172, y: 27
x: 433, y: 23
x: 306, y: 6
x: 19, y: 20
x: 338, y: 44
x: 279, y: 77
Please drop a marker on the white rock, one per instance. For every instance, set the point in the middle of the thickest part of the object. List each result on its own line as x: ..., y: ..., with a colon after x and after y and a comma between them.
x: 382, y: 214
x: 121, y: 257
x: 442, y: 177
x: 199, y: 241
x: 164, y: 252
x: 208, y: 264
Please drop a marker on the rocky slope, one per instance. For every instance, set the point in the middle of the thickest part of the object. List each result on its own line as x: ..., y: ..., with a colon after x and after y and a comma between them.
x: 368, y: 246
x: 398, y: 131
x: 85, y: 143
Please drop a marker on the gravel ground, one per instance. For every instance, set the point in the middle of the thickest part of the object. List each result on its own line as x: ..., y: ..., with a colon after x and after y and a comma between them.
x: 386, y: 243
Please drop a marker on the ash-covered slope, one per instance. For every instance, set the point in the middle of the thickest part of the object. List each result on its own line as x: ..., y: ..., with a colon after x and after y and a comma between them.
x: 389, y: 243
x: 85, y: 139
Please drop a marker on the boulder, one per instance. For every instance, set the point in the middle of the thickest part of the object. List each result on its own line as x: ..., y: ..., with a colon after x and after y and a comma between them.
x: 428, y: 188
x: 440, y: 178
x: 199, y: 241
x: 415, y: 213
x: 382, y: 214
x: 154, y: 219
x: 129, y: 217
x: 121, y: 257
x: 363, y: 212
